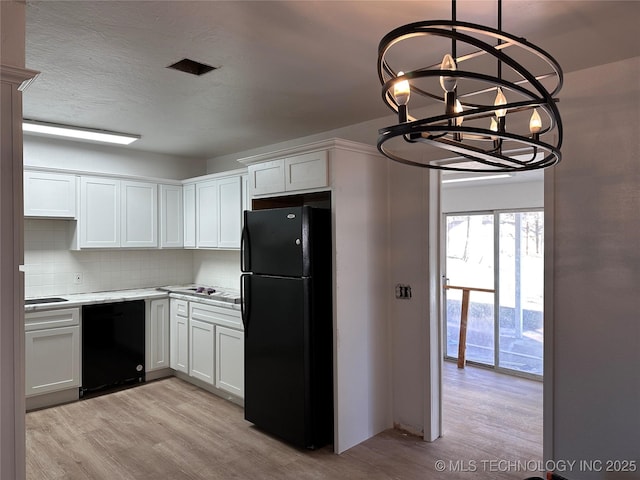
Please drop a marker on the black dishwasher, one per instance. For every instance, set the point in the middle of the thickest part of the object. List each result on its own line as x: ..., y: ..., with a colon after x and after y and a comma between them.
x: 113, y: 346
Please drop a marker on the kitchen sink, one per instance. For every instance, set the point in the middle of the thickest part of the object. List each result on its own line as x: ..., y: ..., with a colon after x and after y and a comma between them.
x: 34, y: 301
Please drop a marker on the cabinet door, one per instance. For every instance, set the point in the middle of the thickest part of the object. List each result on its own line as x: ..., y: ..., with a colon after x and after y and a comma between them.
x: 179, y: 336
x: 267, y: 177
x: 49, y: 195
x: 189, y: 199
x: 171, y: 212
x: 246, y: 202
x: 207, y: 214
x: 229, y: 212
x: 52, y: 360
x: 157, y: 335
x: 230, y: 360
x: 139, y: 205
x: 201, y: 346
x: 306, y: 171
x: 99, y: 212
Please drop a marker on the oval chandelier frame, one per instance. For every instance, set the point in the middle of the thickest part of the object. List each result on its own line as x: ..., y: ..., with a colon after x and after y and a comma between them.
x: 492, y: 148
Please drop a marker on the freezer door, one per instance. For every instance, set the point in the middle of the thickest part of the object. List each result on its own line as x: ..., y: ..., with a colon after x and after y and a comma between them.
x: 277, y: 357
x: 276, y: 242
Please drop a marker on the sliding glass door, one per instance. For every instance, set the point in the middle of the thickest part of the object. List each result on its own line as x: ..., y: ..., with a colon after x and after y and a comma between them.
x: 470, y: 264
x: 501, y: 252
x: 521, y: 285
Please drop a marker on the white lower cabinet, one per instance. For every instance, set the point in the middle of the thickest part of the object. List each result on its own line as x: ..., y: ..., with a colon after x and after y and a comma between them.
x: 230, y: 360
x: 157, y: 335
x: 201, y: 350
x: 52, y: 351
x: 179, y: 335
x: 214, y: 351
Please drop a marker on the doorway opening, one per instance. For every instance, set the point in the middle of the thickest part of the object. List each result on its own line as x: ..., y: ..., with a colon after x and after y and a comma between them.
x: 498, y: 257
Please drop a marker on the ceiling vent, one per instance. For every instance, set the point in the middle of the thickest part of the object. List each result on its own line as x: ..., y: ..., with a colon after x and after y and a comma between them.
x: 190, y: 66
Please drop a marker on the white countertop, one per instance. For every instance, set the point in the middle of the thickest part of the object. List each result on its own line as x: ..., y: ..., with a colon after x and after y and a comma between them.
x: 208, y: 301
x: 79, y: 299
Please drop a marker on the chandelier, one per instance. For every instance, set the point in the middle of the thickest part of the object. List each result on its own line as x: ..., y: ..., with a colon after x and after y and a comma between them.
x: 493, y: 114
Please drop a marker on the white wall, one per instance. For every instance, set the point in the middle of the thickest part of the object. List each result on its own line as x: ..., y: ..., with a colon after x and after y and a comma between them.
x: 83, y: 156
x: 469, y: 197
x: 362, y: 369
x: 409, y: 195
x: 592, y: 386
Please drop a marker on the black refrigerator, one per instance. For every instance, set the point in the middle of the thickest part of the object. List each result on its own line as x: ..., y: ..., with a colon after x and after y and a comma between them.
x: 287, y: 314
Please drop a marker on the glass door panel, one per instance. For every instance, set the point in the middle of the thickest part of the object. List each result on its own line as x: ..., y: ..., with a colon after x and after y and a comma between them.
x: 521, y: 288
x: 470, y: 263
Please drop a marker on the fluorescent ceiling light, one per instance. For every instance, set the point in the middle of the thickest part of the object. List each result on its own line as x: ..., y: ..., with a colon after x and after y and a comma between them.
x: 473, y: 179
x: 104, y: 136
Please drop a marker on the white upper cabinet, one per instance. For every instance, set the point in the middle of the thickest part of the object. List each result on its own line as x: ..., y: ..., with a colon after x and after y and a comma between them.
x: 139, y: 210
x: 207, y: 214
x: 246, y: 203
x: 229, y: 212
x: 171, y: 216
x: 217, y: 221
x: 300, y: 172
x: 306, y: 171
x: 267, y: 177
x: 51, y: 195
x: 99, y: 222
x: 189, y: 203
x: 117, y: 213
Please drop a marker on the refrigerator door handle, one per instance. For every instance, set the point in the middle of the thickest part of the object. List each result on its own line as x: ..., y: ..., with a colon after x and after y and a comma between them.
x: 245, y: 306
x: 245, y: 248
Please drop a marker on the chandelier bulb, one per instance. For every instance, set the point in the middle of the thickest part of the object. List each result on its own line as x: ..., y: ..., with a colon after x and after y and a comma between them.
x: 448, y: 84
x: 493, y: 128
x: 459, y: 109
x: 500, y: 100
x: 401, y: 91
x: 535, y: 123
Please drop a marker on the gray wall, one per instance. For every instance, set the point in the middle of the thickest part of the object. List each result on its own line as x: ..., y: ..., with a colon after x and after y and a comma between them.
x: 592, y: 386
x: 90, y: 157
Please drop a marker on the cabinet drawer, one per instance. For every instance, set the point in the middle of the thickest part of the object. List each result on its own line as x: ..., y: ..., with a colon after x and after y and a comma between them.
x: 66, y: 317
x: 218, y: 315
x: 180, y: 307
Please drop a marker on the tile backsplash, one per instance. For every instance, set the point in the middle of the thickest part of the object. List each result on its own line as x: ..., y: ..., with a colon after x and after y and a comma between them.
x: 51, y: 268
x: 217, y: 267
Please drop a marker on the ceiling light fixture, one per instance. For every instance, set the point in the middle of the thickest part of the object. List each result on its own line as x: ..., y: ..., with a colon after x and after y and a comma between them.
x: 77, y: 133
x: 475, y: 179
x: 501, y: 111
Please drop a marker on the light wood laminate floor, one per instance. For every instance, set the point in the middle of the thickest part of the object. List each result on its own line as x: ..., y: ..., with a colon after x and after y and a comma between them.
x: 169, y: 429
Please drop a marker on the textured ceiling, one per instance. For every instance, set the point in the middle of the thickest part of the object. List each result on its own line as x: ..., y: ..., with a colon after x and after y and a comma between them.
x: 287, y: 69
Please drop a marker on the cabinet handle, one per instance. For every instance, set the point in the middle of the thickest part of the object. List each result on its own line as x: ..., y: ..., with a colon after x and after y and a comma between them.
x: 245, y: 305
x: 245, y: 248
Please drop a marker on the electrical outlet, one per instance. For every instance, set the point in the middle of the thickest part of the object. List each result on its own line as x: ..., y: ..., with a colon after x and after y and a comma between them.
x: 403, y: 291
x: 77, y: 278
